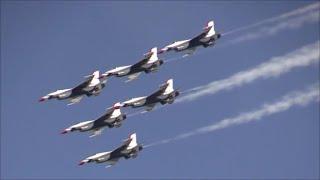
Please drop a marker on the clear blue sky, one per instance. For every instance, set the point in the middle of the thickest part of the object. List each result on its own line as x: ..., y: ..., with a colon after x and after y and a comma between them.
x: 51, y: 45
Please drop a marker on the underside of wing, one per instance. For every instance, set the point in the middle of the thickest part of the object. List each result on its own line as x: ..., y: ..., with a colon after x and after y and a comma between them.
x: 112, y: 162
x: 150, y: 107
x: 133, y: 76
x: 96, y: 132
x: 190, y: 51
x: 75, y: 100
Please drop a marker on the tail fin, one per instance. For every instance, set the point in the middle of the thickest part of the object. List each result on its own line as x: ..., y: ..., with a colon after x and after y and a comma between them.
x: 95, y: 79
x: 117, y: 105
x: 210, y: 24
x: 169, y: 88
x: 210, y: 28
x: 154, y: 56
x: 115, y: 110
x: 96, y: 74
x: 133, y: 143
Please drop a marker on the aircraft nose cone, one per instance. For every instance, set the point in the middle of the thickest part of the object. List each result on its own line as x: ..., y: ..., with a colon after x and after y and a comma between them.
x: 81, y: 163
x: 64, y: 132
x: 41, y: 99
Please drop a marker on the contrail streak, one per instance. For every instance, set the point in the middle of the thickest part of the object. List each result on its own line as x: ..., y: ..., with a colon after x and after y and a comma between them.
x: 276, y: 66
x: 298, y: 98
x: 134, y: 113
x: 311, y: 8
x: 273, y: 29
x: 290, y: 20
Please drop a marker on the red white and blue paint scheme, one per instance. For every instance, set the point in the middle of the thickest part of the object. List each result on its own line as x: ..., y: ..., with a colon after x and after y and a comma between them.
x: 207, y: 38
x: 165, y: 94
x: 113, y: 117
x: 129, y: 149
x: 91, y: 86
x: 150, y: 63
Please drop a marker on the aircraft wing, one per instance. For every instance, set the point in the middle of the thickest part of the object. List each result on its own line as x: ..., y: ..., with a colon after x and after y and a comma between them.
x: 140, y: 63
x: 118, y: 152
x: 81, y: 86
x: 105, y: 116
x: 112, y: 162
x: 75, y: 100
x: 150, y: 107
x: 158, y: 92
x: 133, y: 76
x: 197, y: 38
x: 96, y: 132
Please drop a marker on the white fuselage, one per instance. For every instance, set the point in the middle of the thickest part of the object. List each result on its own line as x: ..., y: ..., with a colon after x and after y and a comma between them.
x: 139, y: 101
x: 61, y: 94
x: 179, y: 45
x: 83, y: 126
x: 89, y: 125
x: 120, y: 71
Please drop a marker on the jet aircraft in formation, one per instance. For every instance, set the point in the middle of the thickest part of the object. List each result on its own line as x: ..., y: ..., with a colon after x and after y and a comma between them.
x: 113, y: 117
x: 129, y: 149
x: 165, y: 94
x: 207, y: 38
x: 91, y: 86
x: 150, y: 63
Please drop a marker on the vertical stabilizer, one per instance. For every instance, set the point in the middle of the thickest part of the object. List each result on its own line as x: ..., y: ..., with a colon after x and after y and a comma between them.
x: 210, y: 28
x: 116, y: 110
x: 154, y: 56
x: 169, y: 88
x: 95, y: 79
x: 133, y: 143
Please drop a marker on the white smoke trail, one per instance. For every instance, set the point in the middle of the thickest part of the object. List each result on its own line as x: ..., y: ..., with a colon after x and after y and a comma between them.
x: 134, y: 114
x: 290, y: 20
x: 273, y: 29
x: 292, y: 99
x: 276, y: 66
x: 173, y: 59
x: 311, y: 8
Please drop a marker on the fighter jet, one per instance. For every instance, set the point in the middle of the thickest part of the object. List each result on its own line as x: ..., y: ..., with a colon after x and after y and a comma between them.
x: 91, y: 86
x: 129, y: 149
x: 165, y: 94
x: 206, y: 38
x: 111, y: 118
x: 150, y: 63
